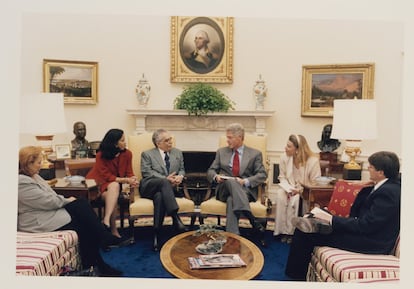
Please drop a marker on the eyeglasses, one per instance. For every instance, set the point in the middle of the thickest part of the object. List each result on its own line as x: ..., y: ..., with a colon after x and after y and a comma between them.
x: 167, y: 140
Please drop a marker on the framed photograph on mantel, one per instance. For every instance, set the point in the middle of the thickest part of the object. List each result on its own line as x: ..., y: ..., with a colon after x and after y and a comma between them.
x: 201, y: 49
x: 322, y: 84
x: 78, y: 80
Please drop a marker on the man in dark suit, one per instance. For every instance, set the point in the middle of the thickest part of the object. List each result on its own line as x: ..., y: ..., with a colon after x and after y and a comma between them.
x: 162, y: 170
x: 372, y: 226
x: 244, y: 166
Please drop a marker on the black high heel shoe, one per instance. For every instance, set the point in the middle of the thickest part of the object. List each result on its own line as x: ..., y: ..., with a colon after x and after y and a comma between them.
x: 107, y: 228
x: 155, y: 244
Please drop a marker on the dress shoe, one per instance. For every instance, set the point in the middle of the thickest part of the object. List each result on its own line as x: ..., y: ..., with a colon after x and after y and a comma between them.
x: 115, y: 242
x: 278, y: 238
x: 258, y: 227
x: 108, y: 240
x: 178, y: 225
x: 260, y: 230
x: 286, y: 239
x: 312, y: 225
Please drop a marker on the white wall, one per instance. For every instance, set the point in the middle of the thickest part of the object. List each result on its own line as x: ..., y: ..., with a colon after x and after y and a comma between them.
x: 125, y: 46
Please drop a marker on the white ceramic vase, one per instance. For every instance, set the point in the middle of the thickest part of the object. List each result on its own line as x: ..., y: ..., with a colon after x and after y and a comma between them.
x: 143, y: 91
x: 260, y: 92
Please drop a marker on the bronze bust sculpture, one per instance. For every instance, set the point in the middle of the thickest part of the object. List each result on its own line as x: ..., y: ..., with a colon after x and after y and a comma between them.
x: 327, y: 144
x: 80, y: 145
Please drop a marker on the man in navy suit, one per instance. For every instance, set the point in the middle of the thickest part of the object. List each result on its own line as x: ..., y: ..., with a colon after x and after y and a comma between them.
x: 162, y: 170
x: 372, y: 226
x: 238, y: 170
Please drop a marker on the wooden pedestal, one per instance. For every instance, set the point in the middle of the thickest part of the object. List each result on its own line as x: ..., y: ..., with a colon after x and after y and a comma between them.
x: 351, y: 174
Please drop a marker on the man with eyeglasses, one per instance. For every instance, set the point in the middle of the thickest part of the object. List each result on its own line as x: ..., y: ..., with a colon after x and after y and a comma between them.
x: 162, y: 170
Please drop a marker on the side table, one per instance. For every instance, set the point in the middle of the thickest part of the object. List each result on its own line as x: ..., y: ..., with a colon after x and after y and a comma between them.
x: 88, y: 190
x: 316, y: 194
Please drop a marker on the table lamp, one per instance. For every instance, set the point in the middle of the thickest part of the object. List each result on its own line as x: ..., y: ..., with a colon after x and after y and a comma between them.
x: 43, y: 115
x: 354, y: 120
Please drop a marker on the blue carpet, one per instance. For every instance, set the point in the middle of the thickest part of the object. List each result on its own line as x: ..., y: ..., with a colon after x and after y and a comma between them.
x: 140, y: 261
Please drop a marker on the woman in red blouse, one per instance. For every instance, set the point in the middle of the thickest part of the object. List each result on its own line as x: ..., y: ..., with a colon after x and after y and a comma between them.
x: 113, y: 168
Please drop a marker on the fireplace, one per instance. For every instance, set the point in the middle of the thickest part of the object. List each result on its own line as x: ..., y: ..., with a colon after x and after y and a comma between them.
x: 199, y: 133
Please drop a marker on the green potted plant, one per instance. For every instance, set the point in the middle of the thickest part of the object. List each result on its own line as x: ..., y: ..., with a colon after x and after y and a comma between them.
x: 201, y: 98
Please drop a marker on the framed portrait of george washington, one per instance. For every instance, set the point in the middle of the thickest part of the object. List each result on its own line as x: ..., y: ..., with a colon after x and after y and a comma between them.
x: 322, y: 84
x: 201, y: 49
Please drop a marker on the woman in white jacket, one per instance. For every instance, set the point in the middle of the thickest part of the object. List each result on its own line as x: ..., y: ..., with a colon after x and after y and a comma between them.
x: 298, y: 166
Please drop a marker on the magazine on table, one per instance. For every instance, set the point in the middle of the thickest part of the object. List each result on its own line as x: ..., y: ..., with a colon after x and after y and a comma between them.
x: 216, y: 261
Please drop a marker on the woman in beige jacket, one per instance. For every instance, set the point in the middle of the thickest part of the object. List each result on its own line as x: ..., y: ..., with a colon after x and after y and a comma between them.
x: 298, y: 166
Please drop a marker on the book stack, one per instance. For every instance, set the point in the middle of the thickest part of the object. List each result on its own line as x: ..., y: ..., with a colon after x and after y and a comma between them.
x: 216, y: 261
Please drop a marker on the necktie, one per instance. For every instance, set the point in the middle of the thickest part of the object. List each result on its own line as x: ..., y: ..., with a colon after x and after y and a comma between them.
x: 236, y: 164
x: 167, y: 162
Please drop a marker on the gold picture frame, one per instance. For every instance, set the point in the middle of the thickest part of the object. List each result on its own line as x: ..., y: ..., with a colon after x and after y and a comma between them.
x: 63, y: 151
x: 213, y: 66
x: 77, y: 80
x: 322, y: 84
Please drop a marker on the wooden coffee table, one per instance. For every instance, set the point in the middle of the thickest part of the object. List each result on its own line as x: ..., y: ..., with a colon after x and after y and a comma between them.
x: 176, y: 250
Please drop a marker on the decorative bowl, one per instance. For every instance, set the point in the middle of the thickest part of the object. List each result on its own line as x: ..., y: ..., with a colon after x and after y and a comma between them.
x: 209, y: 247
x: 75, y: 180
x: 324, y: 180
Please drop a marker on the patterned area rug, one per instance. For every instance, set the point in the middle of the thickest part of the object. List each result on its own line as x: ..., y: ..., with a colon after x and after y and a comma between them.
x: 148, y: 221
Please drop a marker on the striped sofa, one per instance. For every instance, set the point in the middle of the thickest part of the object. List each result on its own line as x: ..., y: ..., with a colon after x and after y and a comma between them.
x: 334, y: 265
x: 44, y: 254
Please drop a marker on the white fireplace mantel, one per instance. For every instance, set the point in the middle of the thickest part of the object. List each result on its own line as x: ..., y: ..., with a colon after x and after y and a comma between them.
x: 148, y: 120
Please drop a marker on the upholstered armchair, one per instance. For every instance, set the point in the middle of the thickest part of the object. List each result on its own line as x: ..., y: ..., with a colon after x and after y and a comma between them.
x: 214, y: 207
x: 81, y: 167
x: 335, y: 265
x: 142, y: 207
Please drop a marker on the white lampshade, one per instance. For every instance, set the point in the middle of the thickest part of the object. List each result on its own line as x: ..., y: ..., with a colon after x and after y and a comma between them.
x: 354, y: 119
x: 42, y: 114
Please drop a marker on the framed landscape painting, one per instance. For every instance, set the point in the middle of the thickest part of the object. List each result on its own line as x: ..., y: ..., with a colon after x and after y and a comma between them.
x: 201, y: 49
x: 322, y: 84
x: 78, y: 80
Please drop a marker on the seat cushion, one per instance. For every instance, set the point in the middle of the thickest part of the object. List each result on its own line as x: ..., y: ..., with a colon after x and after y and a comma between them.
x: 335, y: 265
x: 145, y: 207
x: 185, y: 205
x: 258, y: 209
x: 213, y: 207
x: 46, y: 253
x: 141, y: 207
